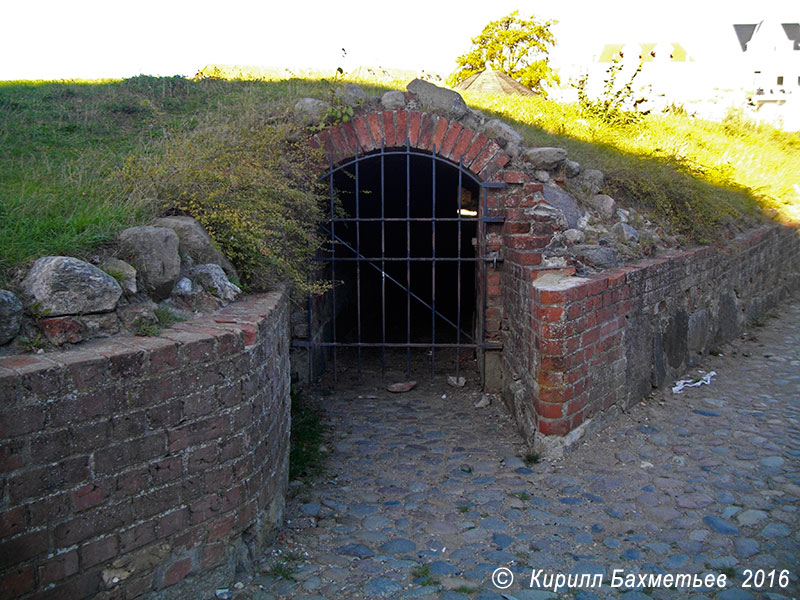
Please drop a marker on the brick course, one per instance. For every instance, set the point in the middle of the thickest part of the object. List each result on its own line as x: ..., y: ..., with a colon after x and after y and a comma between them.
x: 151, y: 450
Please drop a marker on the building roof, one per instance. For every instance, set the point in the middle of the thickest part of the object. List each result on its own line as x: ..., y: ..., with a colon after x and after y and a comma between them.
x: 746, y: 31
x: 493, y: 82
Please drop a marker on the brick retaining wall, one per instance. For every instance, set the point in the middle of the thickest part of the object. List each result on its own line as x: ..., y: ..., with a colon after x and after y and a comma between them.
x: 590, y: 343
x: 130, y: 465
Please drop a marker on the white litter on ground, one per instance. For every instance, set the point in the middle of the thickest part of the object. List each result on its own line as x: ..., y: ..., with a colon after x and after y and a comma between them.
x: 684, y: 383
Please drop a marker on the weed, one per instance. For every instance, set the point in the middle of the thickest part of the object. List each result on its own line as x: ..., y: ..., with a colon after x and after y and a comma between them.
x: 465, y: 589
x: 167, y: 317
x: 729, y: 572
x: 118, y: 275
x: 32, y: 344
x: 463, y: 509
x: 282, y: 569
x: 715, y: 352
x: 422, y: 575
x: 147, y: 328
x: 524, y: 496
x: 532, y: 458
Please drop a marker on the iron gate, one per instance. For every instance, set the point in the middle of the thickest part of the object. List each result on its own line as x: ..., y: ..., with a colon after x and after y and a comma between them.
x: 395, y: 272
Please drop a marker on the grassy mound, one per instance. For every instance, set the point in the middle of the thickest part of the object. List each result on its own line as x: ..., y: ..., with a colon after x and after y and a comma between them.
x: 79, y: 161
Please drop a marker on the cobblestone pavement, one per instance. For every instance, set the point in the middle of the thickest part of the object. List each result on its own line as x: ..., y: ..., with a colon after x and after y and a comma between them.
x: 427, y: 495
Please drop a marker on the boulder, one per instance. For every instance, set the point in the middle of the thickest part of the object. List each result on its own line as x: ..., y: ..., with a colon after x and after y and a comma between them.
x: 393, y: 100
x: 62, y: 285
x: 563, y: 200
x: 153, y: 251
x: 502, y: 132
x: 574, y: 236
x: 439, y: 100
x: 10, y: 316
x: 599, y: 257
x: 603, y: 204
x: 625, y: 232
x: 211, y: 278
x: 586, y: 184
x: 571, y: 168
x: 63, y: 330
x: 101, y: 324
x: 311, y: 110
x: 124, y: 273
x: 134, y: 315
x: 546, y: 158
x: 351, y: 94
x: 556, y: 215
x: 195, y: 242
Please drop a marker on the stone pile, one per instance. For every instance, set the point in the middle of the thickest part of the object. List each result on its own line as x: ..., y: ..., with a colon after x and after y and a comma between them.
x: 170, y: 265
x: 597, y: 233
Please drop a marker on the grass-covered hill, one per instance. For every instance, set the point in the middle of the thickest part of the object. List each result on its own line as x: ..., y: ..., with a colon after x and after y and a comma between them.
x: 80, y: 161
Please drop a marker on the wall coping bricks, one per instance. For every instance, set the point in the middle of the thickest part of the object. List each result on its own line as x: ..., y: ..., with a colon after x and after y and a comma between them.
x: 129, y: 451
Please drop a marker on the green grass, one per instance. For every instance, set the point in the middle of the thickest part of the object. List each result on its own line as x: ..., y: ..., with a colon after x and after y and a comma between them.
x: 699, y: 179
x: 65, y: 147
x: 307, y: 435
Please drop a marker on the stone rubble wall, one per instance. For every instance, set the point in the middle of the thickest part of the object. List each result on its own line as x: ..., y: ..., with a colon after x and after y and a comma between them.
x: 133, y: 464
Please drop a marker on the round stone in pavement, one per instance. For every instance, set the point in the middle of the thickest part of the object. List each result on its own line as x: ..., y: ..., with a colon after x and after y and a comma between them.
x: 721, y: 525
x: 398, y: 546
x: 382, y: 586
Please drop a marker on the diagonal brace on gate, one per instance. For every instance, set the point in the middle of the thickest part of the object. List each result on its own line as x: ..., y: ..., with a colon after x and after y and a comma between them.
x: 385, y: 275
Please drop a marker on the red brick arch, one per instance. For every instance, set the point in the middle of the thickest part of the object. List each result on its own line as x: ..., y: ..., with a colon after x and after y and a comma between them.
x: 480, y: 155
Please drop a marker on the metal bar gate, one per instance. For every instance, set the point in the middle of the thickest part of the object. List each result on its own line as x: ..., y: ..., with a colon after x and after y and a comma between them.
x: 353, y: 253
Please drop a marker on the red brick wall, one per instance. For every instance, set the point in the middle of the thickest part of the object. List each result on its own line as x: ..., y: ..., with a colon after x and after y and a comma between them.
x: 424, y: 131
x: 611, y: 338
x: 156, y: 460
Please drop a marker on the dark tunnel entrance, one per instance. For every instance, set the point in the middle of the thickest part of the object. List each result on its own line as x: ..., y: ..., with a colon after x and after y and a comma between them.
x: 404, y: 253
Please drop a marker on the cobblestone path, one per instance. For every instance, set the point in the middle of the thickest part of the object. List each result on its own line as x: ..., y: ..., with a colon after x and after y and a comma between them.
x: 426, y: 495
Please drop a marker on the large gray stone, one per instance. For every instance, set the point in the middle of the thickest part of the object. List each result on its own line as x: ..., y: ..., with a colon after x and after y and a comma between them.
x: 586, y: 184
x: 546, y: 158
x: 211, y: 278
x: 393, y: 99
x: 153, y: 251
x: 563, y: 201
x: 439, y: 100
x: 351, y: 94
x: 625, y: 232
x: 196, y: 243
x: 62, y: 285
x: 124, y: 273
x: 603, y: 204
x: 502, y: 132
x: 311, y: 110
x: 599, y: 257
x: 10, y: 316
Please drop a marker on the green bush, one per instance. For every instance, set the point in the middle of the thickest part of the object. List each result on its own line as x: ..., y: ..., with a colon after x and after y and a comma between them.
x: 251, y: 179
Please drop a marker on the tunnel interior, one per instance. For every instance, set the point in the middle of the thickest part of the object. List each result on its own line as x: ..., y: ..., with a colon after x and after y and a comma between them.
x: 411, y: 208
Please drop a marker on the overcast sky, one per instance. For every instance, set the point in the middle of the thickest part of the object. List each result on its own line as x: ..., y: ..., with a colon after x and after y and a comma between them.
x: 56, y: 39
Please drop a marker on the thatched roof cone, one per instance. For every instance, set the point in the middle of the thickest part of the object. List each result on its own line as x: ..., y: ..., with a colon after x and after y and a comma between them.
x: 492, y: 82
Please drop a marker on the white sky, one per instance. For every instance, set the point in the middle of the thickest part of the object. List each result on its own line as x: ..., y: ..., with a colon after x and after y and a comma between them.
x: 57, y: 39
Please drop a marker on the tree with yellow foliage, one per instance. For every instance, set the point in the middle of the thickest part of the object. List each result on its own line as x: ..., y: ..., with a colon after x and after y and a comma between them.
x: 515, y: 46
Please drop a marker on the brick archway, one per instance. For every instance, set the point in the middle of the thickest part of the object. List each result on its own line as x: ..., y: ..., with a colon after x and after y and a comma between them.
x: 482, y: 156
x: 520, y: 225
